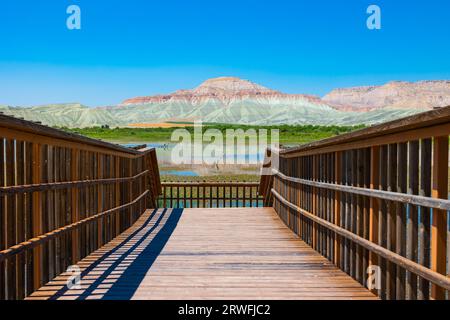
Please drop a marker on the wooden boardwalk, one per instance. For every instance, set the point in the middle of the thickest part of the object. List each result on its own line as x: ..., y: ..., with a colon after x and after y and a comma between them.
x: 237, y: 253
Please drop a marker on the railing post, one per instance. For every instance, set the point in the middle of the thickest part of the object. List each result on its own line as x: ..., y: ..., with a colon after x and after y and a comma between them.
x: 74, y: 165
x: 413, y: 218
x: 2, y: 219
x: 424, y: 218
x: 439, y: 223
x: 299, y: 198
x: 374, y: 203
x: 37, y: 217
x: 117, y: 193
x: 391, y: 221
x: 10, y: 229
x: 149, y: 183
x: 337, y: 206
x: 129, y: 172
x: 100, y: 200
x: 266, y: 190
x: 314, y: 204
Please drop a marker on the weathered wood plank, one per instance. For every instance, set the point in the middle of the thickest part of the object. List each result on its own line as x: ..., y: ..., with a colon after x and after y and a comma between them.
x: 204, y: 258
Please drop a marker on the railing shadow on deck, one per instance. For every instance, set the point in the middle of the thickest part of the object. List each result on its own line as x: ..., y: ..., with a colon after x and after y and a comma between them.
x: 133, y: 275
x: 156, y: 230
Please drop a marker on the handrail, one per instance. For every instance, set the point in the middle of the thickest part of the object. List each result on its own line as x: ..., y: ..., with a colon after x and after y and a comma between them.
x: 442, y: 204
x: 66, y: 185
x: 418, y: 126
x: 416, y: 268
x: 265, y: 178
x: 386, y: 184
x: 33, y: 242
x: 15, y: 128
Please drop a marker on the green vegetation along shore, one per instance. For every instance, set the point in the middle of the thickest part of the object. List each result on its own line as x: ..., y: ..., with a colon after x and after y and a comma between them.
x: 212, y: 178
x: 289, y: 134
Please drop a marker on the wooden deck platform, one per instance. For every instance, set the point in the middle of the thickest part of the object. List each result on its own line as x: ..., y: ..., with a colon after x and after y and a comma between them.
x: 237, y: 253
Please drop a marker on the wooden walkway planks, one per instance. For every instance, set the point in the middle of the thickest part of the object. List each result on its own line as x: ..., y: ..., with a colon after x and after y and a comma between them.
x: 232, y: 253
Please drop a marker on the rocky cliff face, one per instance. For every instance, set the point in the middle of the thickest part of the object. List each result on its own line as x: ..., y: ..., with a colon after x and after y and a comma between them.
x: 224, y: 90
x: 422, y: 95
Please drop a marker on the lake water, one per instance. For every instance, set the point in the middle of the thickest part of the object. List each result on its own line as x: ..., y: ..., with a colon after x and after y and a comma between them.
x: 187, y: 173
x: 241, y: 154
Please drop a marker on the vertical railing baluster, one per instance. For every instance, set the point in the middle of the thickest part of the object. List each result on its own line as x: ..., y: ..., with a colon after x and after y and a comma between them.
x: 19, y: 219
x: 116, y: 174
x: 439, y: 220
x: 424, y: 217
x: 37, y: 217
x: 10, y: 167
x: 374, y: 205
x: 412, y: 224
x: 401, y: 219
x: 171, y: 197
x: 2, y: 218
x: 353, y: 210
x: 337, y: 206
x: 391, y: 221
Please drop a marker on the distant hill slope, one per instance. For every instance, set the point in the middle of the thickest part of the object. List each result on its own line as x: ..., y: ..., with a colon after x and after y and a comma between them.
x: 422, y: 95
x: 233, y: 100
x: 64, y: 115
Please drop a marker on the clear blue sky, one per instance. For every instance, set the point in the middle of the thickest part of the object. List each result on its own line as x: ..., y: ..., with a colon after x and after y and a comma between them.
x: 140, y: 47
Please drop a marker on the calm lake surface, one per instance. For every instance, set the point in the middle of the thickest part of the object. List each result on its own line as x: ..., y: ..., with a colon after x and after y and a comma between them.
x: 241, y: 154
x: 186, y: 173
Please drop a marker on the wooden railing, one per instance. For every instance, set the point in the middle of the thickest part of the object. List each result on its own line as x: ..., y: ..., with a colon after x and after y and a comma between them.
x: 210, y: 195
x: 62, y: 196
x: 375, y: 202
x: 266, y: 179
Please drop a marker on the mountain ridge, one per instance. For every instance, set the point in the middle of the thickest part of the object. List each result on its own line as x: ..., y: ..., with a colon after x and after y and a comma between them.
x: 240, y: 101
x: 423, y: 95
x: 222, y: 88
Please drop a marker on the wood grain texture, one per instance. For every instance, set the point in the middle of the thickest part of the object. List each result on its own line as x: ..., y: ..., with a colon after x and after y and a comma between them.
x: 19, y: 129
x: 229, y: 253
x: 439, y: 219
